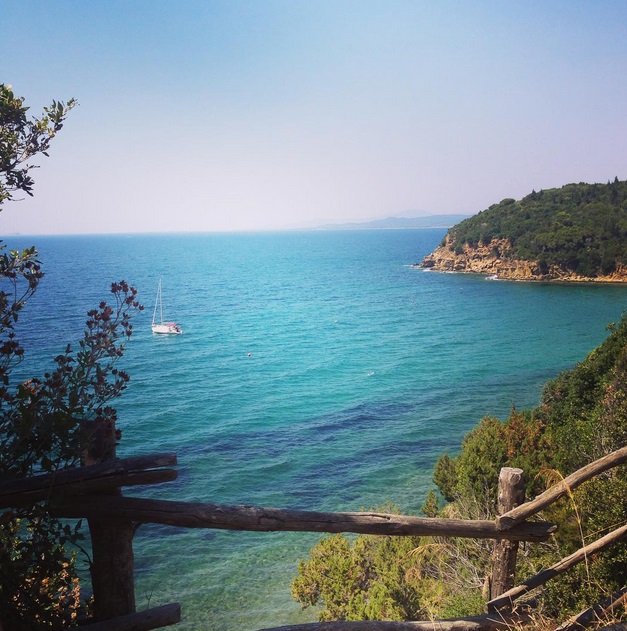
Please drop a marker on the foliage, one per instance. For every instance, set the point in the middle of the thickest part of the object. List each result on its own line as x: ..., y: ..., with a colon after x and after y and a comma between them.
x: 47, y: 423
x: 491, y: 445
x: 359, y: 580
x: 387, y: 578
x: 22, y: 138
x: 580, y: 227
x: 38, y: 585
x: 431, y: 506
x: 582, y: 415
x: 43, y: 421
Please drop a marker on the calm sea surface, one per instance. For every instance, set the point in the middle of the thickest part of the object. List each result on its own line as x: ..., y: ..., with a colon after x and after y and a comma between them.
x: 317, y: 370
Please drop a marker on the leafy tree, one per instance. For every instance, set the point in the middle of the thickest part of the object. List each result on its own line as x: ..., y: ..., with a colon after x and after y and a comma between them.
x: 22, y: 138
x: 431, y: 506
x: 370, y: 577
x: 579, y: 228
x: 484, y: 452
x: 582, y: 416
x: 445, y: 477
x: 46, y: 423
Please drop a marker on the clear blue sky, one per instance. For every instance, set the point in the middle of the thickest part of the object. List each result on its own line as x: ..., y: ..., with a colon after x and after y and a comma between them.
x: 201, y: 115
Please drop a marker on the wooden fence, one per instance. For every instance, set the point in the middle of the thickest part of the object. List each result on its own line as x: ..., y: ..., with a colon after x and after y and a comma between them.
x: 93, y: 492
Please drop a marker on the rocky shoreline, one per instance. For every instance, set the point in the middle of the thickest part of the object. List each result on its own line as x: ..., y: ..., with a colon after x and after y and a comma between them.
x: 493, y: 260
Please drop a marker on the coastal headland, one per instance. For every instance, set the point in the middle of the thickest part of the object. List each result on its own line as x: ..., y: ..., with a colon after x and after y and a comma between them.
x: 576, y: 233
x: 493, y: 260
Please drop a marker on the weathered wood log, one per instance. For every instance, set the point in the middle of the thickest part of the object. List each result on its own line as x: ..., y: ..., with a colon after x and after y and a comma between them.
x: 507, y: 599
x: 155, y: 476
x: 521, y: 513
x: 40, y: 486
x: 146, y: 620
x: 112, y: 575
x: 112, y: 567
x: 597, y: 613
x: 511, y: 493
x: 196, y: 515
x: 486, y: 622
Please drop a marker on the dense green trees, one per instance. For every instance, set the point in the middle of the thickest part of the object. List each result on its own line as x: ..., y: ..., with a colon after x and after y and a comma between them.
x: 46, y: 423
x: 582, y: 415
x: 582, y: 227
x: 361, y: 579
x: 371, y: 577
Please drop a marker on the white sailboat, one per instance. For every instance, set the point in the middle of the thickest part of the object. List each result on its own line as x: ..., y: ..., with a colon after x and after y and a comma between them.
x: 167, y: 328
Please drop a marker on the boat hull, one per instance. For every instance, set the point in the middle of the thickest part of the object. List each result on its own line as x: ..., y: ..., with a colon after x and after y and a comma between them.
x: 167, y: 328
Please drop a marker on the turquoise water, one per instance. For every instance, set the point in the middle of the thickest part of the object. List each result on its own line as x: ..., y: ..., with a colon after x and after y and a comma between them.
x: 317, y: 370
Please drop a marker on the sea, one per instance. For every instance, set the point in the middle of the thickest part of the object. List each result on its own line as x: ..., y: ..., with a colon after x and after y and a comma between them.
x: 316, y: 370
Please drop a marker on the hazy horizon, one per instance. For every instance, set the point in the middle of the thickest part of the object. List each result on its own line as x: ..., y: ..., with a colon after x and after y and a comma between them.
x: 233, y: 115
x: 313, y: 228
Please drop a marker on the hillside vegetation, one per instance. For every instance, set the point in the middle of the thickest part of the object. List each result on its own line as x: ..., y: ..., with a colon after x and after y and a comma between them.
x: 582, y: 416
x: 579, y: 228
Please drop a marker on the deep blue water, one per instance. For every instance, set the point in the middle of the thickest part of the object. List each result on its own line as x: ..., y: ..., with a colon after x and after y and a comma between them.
x: 317, y: 370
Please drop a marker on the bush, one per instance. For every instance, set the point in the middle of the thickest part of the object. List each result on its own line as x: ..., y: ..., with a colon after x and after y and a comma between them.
x: 43, y: 420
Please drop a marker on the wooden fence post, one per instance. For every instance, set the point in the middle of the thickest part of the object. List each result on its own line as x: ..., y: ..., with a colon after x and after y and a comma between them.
x: 112, y: 575
x: 511, y: 493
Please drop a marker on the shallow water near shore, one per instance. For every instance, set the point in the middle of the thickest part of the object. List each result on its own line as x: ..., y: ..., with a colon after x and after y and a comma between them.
x: 317, y: 370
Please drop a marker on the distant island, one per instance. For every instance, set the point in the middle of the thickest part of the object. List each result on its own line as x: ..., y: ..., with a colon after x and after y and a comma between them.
x: 574, y: 233
x: 399, y: 223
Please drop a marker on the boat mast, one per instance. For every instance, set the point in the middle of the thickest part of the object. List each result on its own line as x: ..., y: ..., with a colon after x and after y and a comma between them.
x: 160, y: 302
x: 157, y: 302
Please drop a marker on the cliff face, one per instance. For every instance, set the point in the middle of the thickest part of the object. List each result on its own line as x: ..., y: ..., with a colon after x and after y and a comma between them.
x: 493, y: 259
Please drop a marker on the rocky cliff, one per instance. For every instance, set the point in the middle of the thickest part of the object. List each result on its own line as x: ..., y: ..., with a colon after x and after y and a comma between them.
x: 494, y: 260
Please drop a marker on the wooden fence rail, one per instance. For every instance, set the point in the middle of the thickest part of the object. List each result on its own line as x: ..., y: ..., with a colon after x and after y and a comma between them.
x: 567, y: 485
x: 508, y: 598
x: 486, y: 622
x: 146, y: 620
x: 113, y: 518
x: 80, y: 480
x: 599, y: 612
x: 197, y: 515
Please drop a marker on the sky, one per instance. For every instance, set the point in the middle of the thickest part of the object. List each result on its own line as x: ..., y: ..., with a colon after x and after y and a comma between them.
x: 211, y: 115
